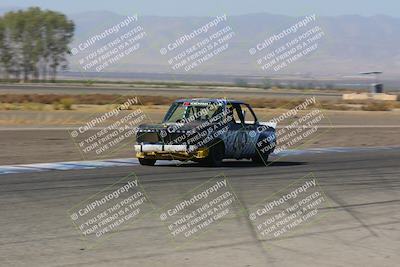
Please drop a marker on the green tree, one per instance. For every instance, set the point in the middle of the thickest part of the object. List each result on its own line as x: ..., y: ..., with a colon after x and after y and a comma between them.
x: 59, y: 34
x: 34, y: 41
x: 5, y: 51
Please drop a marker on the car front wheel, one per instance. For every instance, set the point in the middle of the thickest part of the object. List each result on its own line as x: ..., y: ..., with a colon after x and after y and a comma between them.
x: 147, y: 162
x: 216, y: 155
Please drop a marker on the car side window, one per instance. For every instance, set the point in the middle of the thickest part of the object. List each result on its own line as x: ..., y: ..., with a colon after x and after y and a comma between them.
x: 248, y: 116
x: 236, y: 114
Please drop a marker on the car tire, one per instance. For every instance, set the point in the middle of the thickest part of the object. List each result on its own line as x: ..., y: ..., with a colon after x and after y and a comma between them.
x: 147, y: 162
x: 216, y: 155
x: 260, y: 157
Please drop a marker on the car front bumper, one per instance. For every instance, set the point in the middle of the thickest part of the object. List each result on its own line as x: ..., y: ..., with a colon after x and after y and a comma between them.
x: 170, y: 152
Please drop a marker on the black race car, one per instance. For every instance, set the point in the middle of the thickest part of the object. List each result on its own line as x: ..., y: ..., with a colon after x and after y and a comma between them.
x: 206, y: 131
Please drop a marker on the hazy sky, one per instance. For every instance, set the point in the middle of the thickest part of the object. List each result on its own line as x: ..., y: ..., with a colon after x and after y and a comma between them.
x: 214, y: 7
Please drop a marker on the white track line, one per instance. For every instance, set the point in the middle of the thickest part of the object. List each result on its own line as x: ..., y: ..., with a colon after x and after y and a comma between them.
x: 94, y: 164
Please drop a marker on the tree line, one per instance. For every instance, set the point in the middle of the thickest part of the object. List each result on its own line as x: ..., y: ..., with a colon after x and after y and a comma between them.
x: 34, y: 44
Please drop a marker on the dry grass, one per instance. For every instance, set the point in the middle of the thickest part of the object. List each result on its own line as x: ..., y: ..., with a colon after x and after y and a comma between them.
x: 68, y: 102
x: 379, y: 106
x: 24, y: 106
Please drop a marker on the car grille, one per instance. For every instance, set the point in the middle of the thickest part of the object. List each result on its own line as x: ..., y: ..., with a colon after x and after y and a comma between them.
x: 148, y: 137
x: 156, y: 137
x: 175, y: 138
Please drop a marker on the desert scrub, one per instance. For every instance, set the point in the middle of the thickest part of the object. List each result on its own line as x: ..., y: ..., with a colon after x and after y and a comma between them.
x: 22, y: 106
x: 64, y: 104
x: 378, y: 106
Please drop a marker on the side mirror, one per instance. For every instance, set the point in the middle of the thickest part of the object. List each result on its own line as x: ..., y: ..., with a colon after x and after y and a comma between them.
x: 244, y: 114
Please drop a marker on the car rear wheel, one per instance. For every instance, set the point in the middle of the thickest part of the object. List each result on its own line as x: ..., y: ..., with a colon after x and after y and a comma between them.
x: 261, y: 156
x: 147, y: 162
x: 260, y: 159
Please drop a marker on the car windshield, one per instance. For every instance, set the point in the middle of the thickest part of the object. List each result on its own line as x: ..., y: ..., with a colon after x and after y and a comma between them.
x: 192, y: 111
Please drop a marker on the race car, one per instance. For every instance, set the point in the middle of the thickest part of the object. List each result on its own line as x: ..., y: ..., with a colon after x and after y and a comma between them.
x: 206, y: 131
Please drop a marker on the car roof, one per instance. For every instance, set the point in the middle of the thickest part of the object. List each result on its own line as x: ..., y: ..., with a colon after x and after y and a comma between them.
x: 209, y: 100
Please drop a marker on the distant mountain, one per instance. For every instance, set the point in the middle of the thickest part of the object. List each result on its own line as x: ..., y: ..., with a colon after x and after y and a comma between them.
x: 351, y: 43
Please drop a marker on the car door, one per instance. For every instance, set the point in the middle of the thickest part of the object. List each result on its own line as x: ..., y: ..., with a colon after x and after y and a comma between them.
x: 240, y: 140
x: 234, y: 138
x: 248, y: 132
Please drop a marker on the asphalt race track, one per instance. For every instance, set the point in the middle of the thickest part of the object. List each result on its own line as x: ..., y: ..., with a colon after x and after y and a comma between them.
x: 361, y: 227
